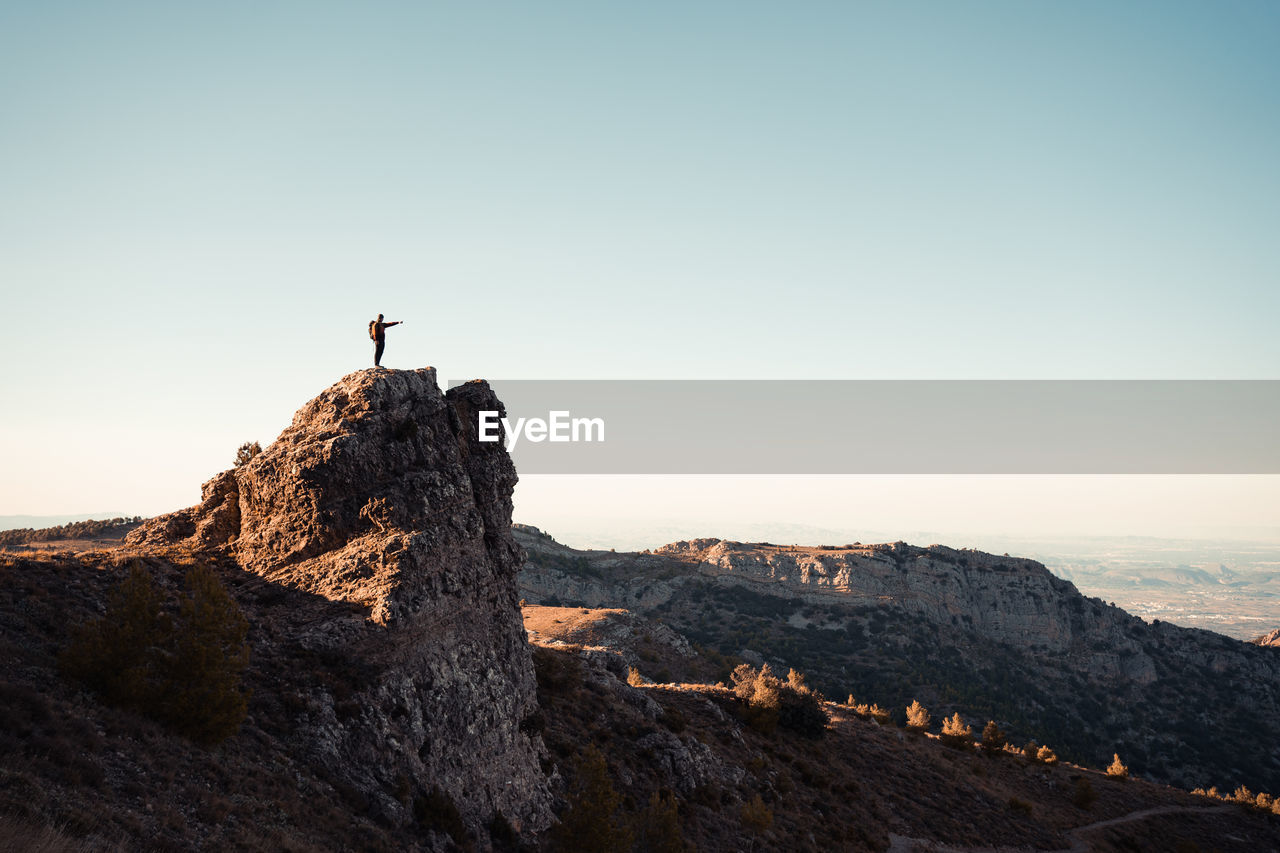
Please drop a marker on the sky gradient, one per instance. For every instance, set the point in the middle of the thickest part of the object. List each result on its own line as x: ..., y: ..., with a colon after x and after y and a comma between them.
x: 201, y: 207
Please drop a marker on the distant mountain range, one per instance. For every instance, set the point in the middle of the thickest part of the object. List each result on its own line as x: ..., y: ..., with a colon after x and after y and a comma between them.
x: 990, y: 637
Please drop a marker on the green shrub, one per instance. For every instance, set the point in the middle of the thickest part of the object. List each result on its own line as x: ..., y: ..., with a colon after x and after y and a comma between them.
x: 591, y: 823
x: 182, y: 669
x: 119, y: 656
x: 756, y: 816
x: 204, y: 698
x: 993, y: 740
x: 658, y: 826
x: 771, y: 702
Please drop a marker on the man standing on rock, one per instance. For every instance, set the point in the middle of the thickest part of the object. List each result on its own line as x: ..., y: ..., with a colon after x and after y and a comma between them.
x: 378, y: 333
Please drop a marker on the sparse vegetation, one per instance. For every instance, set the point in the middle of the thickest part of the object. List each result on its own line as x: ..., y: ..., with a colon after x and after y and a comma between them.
x: 993, y: 740
x: 756, y: 816
x: 872, y: 711
x: 657, y: 828
x: 772, y: 702
x: 1045, y: 755
x: 955, y: 732
x: 246, y: 452
x: 591, y: 823
x: 182, y: 669
x: 917, y: 717
x: 1117, y: 769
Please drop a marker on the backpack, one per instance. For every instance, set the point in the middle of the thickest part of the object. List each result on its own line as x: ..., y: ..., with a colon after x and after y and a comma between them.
x: 373, y: 332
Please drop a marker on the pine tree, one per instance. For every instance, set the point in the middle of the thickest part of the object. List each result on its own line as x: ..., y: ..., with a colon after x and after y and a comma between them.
x: 1117, y: 770
x: 204, y: 698
x: 590, y: 824
x: 658, y: 826
x: 183, y: 671
x: 993, y: 740
x: 118, y: 654
x: 756, y: 816
x: 955, y: 732
x: 917, y: 717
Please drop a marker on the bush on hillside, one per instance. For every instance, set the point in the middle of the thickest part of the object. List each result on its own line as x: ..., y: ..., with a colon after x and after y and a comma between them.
x: 955, y: 732
x: 993, y: 740
x: 917, y: 717
x: 182, y: 669
x: 592, y: 822
x: 772, y: 702
x: 657, y: 828
x: 246, y: 452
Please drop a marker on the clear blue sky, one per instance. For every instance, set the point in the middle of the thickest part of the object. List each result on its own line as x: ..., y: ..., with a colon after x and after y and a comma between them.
x: 201, y: 205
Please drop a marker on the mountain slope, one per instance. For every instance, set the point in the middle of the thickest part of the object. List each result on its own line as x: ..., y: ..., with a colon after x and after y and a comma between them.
x: 991, y: 637
x: 369, y: 547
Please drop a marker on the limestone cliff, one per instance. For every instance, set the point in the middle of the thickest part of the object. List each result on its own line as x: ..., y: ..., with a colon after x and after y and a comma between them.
x: 995, y: 637
x: 1004, y: 599
x: 381, y: 495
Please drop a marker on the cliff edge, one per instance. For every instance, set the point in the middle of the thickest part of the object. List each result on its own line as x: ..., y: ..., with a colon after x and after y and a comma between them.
x: 380, y: 494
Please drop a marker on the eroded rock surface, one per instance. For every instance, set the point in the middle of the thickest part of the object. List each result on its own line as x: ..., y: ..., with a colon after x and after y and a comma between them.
x: 380, y: 494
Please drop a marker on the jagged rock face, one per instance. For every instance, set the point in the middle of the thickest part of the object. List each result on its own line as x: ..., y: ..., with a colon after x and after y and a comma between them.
x: 1009, y: 599
x: 381, y: 494
x: 1005, y: 599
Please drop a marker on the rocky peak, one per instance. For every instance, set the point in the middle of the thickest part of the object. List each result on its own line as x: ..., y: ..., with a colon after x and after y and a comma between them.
x: 378, y: 484
x: 381, y: 494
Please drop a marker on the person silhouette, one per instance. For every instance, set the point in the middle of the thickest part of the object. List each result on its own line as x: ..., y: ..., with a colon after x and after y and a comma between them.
x: 378, y: 332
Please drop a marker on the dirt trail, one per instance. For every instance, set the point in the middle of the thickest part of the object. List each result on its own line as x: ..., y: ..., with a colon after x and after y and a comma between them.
x: 902, y: 844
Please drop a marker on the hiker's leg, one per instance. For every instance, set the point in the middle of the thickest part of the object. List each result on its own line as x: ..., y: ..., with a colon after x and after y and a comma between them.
x: 377, y: 353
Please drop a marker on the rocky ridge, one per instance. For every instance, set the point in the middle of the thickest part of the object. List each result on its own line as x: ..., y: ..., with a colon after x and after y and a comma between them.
x: 1004, y: 599
x: 993, y: 637
x: 379, y: 494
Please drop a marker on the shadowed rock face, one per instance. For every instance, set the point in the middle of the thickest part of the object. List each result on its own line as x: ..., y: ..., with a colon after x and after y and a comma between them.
x: 381, y: 494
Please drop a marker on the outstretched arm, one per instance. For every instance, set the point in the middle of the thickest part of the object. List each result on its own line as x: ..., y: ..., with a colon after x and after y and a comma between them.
x: 396, y: 323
